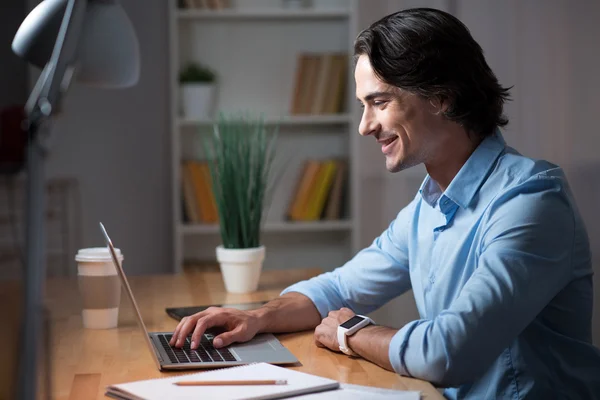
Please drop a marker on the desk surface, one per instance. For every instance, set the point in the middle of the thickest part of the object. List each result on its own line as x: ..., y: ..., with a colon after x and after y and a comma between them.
x: 85, y: 361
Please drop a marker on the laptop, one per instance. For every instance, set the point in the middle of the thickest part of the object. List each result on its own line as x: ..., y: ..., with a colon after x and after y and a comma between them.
x: 262, y: 348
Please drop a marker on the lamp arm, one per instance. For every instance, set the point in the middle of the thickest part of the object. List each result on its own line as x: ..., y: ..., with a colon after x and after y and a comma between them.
x: 57, y: 74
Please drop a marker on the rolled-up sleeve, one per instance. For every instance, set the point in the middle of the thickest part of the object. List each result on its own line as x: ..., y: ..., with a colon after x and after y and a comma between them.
x: 370, y: 279
x: 522, y: 264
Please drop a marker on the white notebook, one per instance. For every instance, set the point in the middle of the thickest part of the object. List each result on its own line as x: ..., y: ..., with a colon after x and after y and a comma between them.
x: 164, y: 388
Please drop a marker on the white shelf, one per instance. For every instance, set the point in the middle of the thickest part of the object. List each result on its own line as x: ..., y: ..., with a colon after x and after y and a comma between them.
x: 317, y: 226
x: 333, y: 119
x: 255, y: 49
x: 266, y: 13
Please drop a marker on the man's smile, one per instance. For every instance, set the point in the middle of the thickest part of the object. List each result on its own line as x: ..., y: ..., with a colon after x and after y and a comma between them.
x: 387, y: 144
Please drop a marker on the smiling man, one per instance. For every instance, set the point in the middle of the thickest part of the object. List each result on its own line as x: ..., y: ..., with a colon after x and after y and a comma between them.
x: 492, y: 245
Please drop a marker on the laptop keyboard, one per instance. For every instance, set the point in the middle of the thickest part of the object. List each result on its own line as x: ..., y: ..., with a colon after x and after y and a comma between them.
x: 204, y: 353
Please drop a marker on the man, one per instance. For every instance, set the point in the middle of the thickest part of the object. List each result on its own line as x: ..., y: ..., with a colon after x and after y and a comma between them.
x: 492, y: 245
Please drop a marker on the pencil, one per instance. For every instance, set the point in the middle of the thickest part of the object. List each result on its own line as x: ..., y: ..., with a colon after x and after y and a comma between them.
x: 228, y: 383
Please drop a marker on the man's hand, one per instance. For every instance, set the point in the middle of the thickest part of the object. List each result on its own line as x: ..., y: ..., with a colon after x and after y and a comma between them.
x: 326, y: 333
x: 240, y: 326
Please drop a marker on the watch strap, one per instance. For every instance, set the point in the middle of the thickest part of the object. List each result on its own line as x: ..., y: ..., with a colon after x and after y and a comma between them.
x: 342, y: 335
x: 342, y: 342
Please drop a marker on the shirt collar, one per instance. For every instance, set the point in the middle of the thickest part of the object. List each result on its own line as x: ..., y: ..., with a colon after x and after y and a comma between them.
x: 471, y: 176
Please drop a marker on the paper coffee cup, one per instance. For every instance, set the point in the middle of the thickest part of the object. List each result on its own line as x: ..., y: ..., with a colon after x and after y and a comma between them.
x: 99, y: 287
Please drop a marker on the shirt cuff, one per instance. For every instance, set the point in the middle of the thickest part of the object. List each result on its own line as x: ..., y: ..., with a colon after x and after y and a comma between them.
x: 397, y: 348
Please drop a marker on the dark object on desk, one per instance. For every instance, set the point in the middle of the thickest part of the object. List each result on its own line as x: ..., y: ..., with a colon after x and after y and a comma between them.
x: 179, y: 312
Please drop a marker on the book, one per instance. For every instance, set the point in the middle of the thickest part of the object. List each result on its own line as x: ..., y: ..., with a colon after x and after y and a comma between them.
x: 196, y: 179
x: 323, y: 83
x: 334, y: 101
x: 301, y: 71
x: 213, y: 212
x: 302, y: 197
x: 165, y: 388
x: 292, y: 201
x: 334, y: 202
x: 189, y: 196
x: 319, y: 191
x: 309, y: 82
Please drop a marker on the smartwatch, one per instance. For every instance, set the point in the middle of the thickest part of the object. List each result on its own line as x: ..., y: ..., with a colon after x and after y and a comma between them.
x: 348, y: 328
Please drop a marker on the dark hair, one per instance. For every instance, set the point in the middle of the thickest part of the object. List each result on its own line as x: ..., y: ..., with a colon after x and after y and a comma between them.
x: 431, y: 53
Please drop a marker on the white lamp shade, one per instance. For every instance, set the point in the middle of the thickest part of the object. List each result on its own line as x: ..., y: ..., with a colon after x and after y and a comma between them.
x: 109, y: 53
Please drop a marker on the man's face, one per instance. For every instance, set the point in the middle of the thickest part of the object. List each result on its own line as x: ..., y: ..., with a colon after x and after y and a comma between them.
x: 404, y: 124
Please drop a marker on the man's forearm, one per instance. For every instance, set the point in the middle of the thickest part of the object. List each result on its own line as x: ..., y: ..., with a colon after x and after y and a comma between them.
x: 373, y: 343
x: 291, y: 312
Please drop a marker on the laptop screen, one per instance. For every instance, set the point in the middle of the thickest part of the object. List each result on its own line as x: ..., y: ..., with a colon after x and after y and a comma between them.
x: 127, y: 288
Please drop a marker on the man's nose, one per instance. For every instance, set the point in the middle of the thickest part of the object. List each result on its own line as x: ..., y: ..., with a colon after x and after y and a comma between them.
x: 368, y: 124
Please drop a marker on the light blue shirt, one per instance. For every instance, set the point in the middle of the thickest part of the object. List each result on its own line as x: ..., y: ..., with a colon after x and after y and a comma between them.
x: 500, y: 267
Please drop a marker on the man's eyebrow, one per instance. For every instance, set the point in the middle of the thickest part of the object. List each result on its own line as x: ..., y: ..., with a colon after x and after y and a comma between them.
x: 373, y: 95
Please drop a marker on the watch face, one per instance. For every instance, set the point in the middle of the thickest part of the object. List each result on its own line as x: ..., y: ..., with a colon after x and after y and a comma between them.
x: 351, y: 322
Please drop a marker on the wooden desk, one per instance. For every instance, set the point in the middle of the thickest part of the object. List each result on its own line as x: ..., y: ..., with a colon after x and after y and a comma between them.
x: 85, y: 361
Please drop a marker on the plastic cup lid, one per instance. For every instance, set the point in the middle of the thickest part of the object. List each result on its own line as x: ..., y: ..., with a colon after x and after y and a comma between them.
x: 96, y: 254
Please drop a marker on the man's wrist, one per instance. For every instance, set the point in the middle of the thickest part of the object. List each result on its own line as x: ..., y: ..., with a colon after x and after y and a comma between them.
x: 372, y: 343
x: 353, y: 340
x: 261, y: 316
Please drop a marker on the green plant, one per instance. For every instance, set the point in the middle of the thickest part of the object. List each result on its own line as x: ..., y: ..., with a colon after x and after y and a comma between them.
x: 193, y: 73
x: 240, y: 155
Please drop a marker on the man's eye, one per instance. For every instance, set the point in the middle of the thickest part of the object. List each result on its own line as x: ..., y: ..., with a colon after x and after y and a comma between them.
x: 379, y: 103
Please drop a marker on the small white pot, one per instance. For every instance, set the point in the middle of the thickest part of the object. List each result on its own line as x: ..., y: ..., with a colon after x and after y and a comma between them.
x: 241, y: 268
x: 197, y: 100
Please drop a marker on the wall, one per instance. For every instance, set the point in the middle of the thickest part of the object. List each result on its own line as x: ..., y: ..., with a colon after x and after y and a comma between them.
x: 13, y: 91
x: 13, y: 71
x: 116, y: 143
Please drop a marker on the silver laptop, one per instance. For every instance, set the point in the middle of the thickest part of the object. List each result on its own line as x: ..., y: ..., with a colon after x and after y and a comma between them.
x: 262, y: 348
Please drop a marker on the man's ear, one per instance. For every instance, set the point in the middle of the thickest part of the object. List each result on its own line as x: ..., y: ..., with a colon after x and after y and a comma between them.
x: 439, y: 104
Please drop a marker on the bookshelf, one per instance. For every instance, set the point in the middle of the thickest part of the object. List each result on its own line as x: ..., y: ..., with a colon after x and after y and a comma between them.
x: 283, y: 226
x: 282, y: 121
x: 254, y: 46
x: 263, y: 12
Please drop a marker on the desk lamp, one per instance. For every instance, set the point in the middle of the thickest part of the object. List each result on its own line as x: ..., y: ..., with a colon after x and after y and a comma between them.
x: 93, y: 42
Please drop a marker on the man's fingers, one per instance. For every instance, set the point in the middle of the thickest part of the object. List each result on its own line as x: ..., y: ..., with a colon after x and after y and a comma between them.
x: 226, y: 338
x: 176, y: 331
x: 198, y: 332
x: 187, y: 327
x: 319, y: 344
x: 317, y: 335
x: 205, y: 323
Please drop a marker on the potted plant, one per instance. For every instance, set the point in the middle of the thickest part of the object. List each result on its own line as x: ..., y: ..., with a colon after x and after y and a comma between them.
x: 197, y: 84
x: 240, y: 155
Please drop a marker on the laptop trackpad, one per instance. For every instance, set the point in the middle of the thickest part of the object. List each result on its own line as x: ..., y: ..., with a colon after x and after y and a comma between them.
x: 259, y: 347
x: 260, y: 342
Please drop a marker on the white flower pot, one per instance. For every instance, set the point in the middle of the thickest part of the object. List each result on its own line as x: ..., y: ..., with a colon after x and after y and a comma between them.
x: 197, y: 100
x: 241, y: 268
